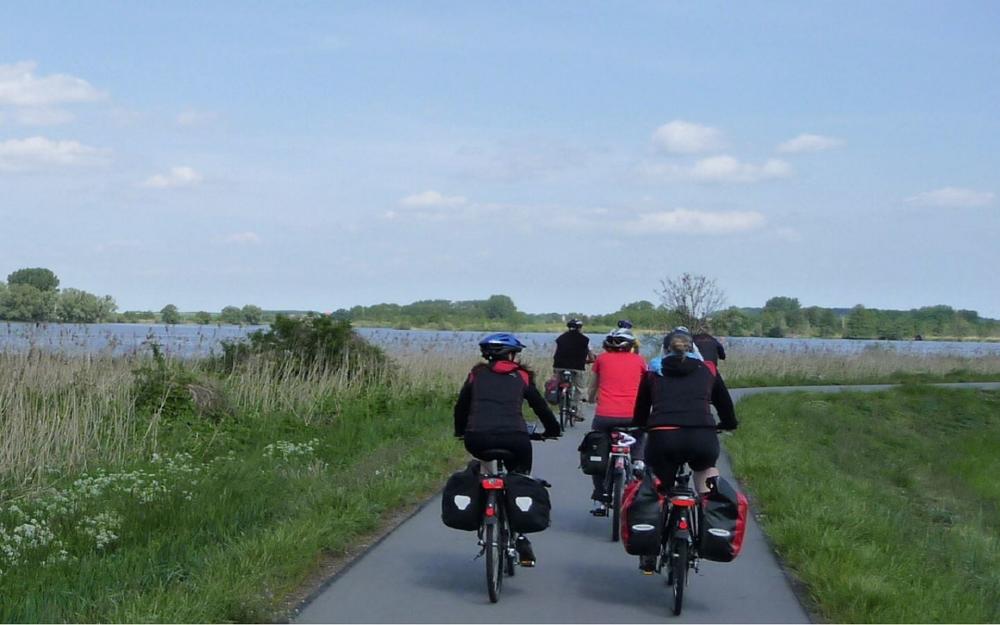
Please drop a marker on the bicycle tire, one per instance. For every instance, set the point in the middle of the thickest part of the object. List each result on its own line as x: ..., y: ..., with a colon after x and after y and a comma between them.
x: 678, y: 569
x: 616, y: 504
x: 507, y: 539
x: 494, y: 562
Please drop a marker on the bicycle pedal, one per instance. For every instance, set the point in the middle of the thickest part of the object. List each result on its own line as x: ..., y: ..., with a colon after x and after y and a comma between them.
x: 603, y: 512
x: 645, y: 572
x: 527, y: 563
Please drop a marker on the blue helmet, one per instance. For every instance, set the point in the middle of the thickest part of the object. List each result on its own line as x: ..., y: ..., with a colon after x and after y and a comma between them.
x: 499, y: 345
x: 625, y: 324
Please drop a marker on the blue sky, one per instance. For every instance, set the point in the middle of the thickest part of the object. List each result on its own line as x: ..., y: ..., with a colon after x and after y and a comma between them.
x: 321, y: 155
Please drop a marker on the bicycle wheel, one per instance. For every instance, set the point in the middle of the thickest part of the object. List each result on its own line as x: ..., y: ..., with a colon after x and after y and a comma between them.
x: 507, y: 540
x: 563, y: 409
x: 678, y: 571
x: 616, y: 503
x: 494, y: 562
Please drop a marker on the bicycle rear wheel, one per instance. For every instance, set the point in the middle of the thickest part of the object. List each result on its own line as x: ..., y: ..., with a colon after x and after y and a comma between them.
x: 494, y: 555
x: 678, y: 571
x: 618, y: 485
x: 507, y: 540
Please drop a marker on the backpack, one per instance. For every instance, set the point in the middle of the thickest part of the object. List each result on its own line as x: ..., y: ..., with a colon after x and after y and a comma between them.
x: 595, y: 451
x: 528, y: 505
x: 642, y: 516
x: 725, y: 522
x: 462, y: 501
x: 552, y: 391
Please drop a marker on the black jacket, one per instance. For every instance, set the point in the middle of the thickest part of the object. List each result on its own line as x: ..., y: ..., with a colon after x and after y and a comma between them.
x: 710, y: 347
x: 490, y: 401
x: 682, y: 395
x: 572, y: 349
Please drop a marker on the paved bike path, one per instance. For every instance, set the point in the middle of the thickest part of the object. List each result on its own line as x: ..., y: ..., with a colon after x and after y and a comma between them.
x: 424, y: 572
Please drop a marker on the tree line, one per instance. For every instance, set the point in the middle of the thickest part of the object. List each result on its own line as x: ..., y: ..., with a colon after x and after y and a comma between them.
x: 33, y: 294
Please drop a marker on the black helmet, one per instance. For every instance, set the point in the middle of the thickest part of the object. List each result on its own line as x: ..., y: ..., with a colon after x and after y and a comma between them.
x: 619, y: 340
x: 625, y: 324
x: 574, y: 324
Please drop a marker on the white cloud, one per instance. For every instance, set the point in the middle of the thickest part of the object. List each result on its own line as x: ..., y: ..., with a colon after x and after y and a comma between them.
x: 189, y: 118
x: 242, y: 237
x: 43, y: 117
x: 181, y: 176
x: 681, y: 137
x: 953, y: 197
x: 19, y: 86
x: 39, y: 153
x: 721, y: 169
x: 429, y: 199
x: 694, y: 222
x: 809, y: 143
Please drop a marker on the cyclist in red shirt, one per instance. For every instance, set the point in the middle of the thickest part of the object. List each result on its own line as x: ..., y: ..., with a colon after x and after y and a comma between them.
x: 615, y: 379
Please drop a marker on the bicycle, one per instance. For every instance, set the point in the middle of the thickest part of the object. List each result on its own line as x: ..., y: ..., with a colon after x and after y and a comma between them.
x: 619, y: 470
x: 497, y: 540
x: 679, y: 546
x: 567, y: 392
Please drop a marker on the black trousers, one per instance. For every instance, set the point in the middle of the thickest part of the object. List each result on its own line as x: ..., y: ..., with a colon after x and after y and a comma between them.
x: 517, y: 443
x: 668, y: 449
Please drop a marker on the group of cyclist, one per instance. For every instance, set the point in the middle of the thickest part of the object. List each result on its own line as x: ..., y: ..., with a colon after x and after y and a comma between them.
x: 669, y: 398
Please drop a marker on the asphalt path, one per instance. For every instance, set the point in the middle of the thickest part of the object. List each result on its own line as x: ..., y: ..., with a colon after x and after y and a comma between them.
x: 424, y: 572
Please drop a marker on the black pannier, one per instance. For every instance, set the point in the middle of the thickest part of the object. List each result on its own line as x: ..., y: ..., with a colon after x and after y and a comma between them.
x: 724, y: 523
x: 642, y: 516
x: 462, y: 501
x: 528, y: 505
x: 595, y: 450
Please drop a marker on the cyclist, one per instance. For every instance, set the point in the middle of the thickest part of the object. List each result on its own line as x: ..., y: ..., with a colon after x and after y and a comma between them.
x: 488, y: 411
x: 625, y: 324
x: 573, y: 354
x: 673, y: 405
x: 615, y: 378
x: 709, y: 346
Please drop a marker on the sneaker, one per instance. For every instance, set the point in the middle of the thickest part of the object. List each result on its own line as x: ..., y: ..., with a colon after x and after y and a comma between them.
x: 525, y: 554
x: 647, y: 564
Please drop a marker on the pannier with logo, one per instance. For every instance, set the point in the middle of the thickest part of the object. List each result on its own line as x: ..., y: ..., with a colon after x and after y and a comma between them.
x: 595, y: 450
x: 462, y: 501
x: 725, y: 522
x: 528, y: 505
x: 642, y: 516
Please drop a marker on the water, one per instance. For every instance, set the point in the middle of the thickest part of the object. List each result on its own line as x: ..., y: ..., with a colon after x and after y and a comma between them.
x: 188, y: 341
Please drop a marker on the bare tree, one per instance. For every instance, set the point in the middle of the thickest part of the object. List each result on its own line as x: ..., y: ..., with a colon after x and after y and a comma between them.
x: 692, y: 297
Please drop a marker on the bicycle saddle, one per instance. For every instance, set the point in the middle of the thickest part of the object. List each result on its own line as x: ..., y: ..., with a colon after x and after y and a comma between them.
x: 503, y: 455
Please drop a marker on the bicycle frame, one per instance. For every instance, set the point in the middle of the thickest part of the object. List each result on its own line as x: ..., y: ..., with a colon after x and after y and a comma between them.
x: 567, y: 391
x: 619, y: 468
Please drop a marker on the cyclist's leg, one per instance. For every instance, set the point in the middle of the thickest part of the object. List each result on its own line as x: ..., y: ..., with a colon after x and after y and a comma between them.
x: 663, y: 455
x: 579, y: 389
x: 703, y: 453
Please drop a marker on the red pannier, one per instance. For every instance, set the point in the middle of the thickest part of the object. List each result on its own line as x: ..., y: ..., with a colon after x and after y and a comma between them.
x: 642, y: 516
x: 725, y: 522
x: 552, y: 391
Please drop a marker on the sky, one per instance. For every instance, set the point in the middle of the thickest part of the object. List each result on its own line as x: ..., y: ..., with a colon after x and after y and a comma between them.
x: 319, y: 155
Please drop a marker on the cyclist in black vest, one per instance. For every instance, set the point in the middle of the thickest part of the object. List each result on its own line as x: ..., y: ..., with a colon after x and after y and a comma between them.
x: 673, y: 405
x: 488, y: 411
x: 573, y: 353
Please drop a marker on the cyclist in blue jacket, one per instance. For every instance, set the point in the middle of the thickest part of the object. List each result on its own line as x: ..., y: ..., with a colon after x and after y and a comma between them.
x: 488, y: 411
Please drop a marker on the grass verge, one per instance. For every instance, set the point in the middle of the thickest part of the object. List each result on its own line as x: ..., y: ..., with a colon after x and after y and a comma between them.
x: 885, y: 505
x: 225, y: 530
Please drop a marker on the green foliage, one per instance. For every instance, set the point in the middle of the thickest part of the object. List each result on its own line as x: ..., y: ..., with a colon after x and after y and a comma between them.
x: 76, y: 306
x: 884, y: 504
x: 24, y: 302
x: 306, y: 343
x: 231, y: 315
x: 251, y: 314
x: 38, y: 277
x: 137, y: 316
x: 203, y: 317
x: 170, y: 314
x: 161, y: 388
